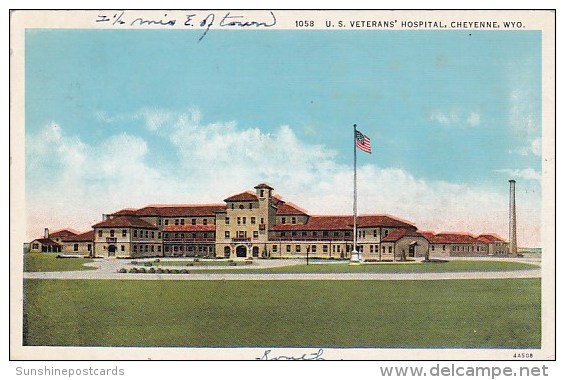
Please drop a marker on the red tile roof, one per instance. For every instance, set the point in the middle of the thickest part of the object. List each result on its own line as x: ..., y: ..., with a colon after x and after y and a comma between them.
x: 455, y: 238
x: 172, y: 211
x: 190, y: 228
x: 63, y: 233
x: 396, y: 235
x: 287, y: 208
x: 383, y: 221
x: 263, y: 186
x: 344, y: 222
x: 276, y: 200
x: 490, y: 238
x: 84, y: 237
x: 246, y: 196
x: 125, y: 221
x: 125, y: 211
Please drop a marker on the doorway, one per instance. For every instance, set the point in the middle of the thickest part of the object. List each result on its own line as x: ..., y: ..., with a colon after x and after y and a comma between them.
x: 241, y: 251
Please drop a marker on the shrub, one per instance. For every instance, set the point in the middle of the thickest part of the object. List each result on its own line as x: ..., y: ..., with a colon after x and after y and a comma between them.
x: 248, y: 262
x: 123, y: 270
x: 232, y: 263
x: 151, y: 270
x: 196, y: 259
x: 177, y: 271
x: 133, y: 270
x: 134, y: 262
x: 142, y: 270
x: 185, y: 271
x: 157, y: 260
x: 159, y: 270
x: 190, y: 264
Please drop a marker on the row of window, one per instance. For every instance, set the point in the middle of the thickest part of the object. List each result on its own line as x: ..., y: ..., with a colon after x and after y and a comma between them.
x: 136, y: 233
x: 181, y: 221
x: 241, y: 234
x: 469, y: 248
x: 143, y: 248
x: 75, y: 247
x: 243, y: 220
x: 192, y: 235
x: 189, y: 248
x: 314, y: 233
x: 241, y: 206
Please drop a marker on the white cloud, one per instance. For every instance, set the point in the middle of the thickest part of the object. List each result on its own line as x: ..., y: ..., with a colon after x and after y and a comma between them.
x: 215, y: 160
x: 534, y: 148
x: 455, y: 117
x: 526, y: 174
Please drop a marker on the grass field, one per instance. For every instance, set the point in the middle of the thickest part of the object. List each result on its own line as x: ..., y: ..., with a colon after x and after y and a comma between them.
x: 458, y: 313
x: 448, y: 266
x: 48, y: 262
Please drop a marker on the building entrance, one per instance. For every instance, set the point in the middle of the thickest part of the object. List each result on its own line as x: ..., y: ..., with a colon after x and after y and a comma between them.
x: 112, y: 251
x: 241, y: 251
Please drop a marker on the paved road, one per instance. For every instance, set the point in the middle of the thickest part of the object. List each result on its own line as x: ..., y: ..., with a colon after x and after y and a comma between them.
x: 107, y: 270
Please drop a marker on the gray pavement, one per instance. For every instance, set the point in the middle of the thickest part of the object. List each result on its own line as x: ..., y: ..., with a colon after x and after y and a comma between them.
x: 107, y: 269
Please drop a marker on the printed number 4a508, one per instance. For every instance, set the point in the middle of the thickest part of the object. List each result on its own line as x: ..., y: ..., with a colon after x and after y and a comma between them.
x: 523, y: 355
x: 304, y: 23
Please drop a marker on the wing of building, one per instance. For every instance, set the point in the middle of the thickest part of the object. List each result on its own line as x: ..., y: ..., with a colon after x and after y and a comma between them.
x: 260, y: 224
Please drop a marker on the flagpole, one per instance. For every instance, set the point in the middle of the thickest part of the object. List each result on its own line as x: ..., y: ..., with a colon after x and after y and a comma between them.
x: 354, y: 254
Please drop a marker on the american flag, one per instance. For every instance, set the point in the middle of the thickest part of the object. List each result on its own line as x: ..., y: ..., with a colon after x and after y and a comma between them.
x: 363, y: 142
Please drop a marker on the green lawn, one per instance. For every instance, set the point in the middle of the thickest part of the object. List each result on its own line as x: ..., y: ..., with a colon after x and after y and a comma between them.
x: 448, y: 266
x: 455, y: 313
x: 48, y: 262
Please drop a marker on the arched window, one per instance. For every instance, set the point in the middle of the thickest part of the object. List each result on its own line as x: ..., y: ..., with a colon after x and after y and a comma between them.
x: 227, y: 252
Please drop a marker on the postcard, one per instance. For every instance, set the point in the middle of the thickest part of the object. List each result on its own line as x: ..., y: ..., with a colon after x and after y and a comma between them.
x: 276, y: 184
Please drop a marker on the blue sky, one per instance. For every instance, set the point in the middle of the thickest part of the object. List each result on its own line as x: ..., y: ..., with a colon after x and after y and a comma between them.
x: 451, y: 114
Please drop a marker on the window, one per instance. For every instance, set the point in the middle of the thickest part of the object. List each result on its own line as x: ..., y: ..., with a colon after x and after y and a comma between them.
x: 325, y: 248
x: 293, y: 233
x: 159, y: 221
x: 293, y: 220
x: 227, y: 235
x: 283, y: 220
x: 146, y: 248
x: 347, y: 233
x: 158, y: 248
x: 135, y: 248
x: 374, y: 233
x: 338, y: 248
x: 262, y: 220
x: 336, y: 234
x: 152, y: 234
x: 232, y: 206
x: 193, y: 222
x: 177, y: 222
x: 252, y: 220
x: 325, y: 233
x: 303, y: 233
x: 444, y: 247
x: 333, y: 248
x: 238, y: 220
x: 227, y: 220
x: 89, y: 248
x: 274, y: 248
x: 386, y: 232
x: 112, y: 233
x: 166, y: 222
x: 283, y: 234
x: 205, y: 222
x: 241, y: 207
x: 147, y: 234
x: 433, y: 248
x: 288, y: 248
x: 123, y: 248
x: 371, y: 249
x: 244, y: 220
x: 99, y: 233
x: 194, y: 235
x: 176, y: 235
x: 152, y: 248
x: 390, y: 249
x: 158, y: 235
x: 297, y: 248
x: 314, y: 233
x: 124, y: 233
x: 313, y: 249
x: 255, y: 234
x: 250, y: 206
x: 75, y: 247
x: 167, y: 248
x: 363, y: 234
x: 383, y: 249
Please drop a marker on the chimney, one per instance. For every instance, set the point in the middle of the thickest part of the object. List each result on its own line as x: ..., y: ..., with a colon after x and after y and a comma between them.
x: 46, y: 233
x: 513, y: 250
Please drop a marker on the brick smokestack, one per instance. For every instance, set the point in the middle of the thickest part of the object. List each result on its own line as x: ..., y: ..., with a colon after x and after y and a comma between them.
x: 46, y: 233
x: 513, y: 249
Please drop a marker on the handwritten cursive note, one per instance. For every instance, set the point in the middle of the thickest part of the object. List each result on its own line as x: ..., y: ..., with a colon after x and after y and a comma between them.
x: 202, y: 20
x: 267, y: 355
